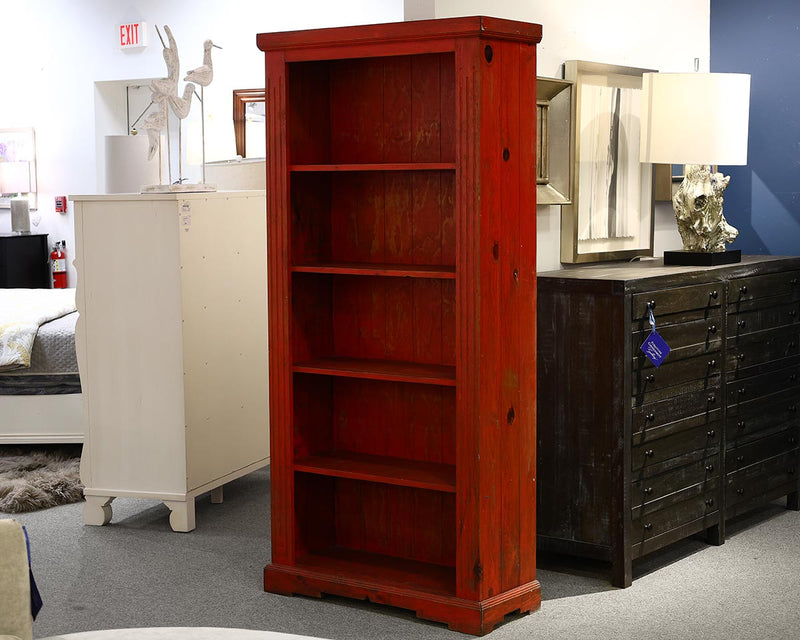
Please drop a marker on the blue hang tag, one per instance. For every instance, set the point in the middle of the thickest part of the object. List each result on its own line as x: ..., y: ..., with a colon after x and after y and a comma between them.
x: 654, y: 347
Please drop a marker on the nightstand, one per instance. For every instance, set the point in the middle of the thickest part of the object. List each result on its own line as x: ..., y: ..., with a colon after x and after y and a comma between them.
x: 24, y: 262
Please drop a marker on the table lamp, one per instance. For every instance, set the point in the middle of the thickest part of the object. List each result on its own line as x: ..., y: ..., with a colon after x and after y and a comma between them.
x: 15, y: 180
x: 697, y: 120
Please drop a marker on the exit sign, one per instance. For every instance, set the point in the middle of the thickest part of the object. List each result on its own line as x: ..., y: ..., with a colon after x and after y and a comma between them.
x: 132, y: 35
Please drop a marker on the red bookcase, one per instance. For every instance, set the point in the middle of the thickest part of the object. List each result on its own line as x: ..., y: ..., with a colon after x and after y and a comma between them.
x: 402, y: 290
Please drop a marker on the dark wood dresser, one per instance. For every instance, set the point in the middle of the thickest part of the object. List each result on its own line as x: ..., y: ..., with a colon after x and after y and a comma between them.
x: 632, y: 457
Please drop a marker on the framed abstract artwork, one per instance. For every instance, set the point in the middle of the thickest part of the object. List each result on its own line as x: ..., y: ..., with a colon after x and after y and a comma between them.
x: 611, y: 214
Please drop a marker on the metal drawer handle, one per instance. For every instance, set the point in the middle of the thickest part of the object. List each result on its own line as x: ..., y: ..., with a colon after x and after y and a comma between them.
x: 709, y: 467
x: 793, y: 313
x: 712, y: 328
x: 711, y: 433
x: 650, y: 378
x: 793, y: 408
x: 648, y: 491
x: 649, y: 453
x: 740, y: 459
x: 742, y: 391
x: 712, y: 398
x: 710, y: 502
x: 713, y: 294
x: 792, y: 439
x: 793, y: 281
x: 741, y: 323
x: 652, y: 304
x: 648, y: 526
x: 790, y: 471
x: 740, y: 492
x: 792, y: 344
x: 740, y: 357
x: 712, y: 363
x: 743, y: 289
x: 740, y: 424
x: 650, y: 417
x: 792, y: 377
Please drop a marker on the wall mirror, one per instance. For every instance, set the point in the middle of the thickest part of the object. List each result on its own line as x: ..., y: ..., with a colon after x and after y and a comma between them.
x: 248, y: 122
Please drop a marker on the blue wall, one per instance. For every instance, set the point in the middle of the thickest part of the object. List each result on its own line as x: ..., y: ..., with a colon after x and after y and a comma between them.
x: 762, y: 38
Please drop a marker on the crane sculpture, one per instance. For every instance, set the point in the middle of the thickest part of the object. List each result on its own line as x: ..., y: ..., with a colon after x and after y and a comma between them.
x: 164, y: 96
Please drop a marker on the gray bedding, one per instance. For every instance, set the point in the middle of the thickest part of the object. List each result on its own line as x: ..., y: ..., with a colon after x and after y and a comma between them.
x: 54, y: 367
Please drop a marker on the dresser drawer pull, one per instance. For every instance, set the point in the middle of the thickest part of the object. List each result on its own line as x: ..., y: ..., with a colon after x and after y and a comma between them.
x: 792, y: 344
x: 649, y: 453
x: 792, y: 439
x: 793, y: 408
x: 743, y: 289
x: 740, y: 492
x: 790, y: 471
x: 712, y: 328
x: 712, y: 363
x: 712, y: 398
x: 741, y: 424
x: 740, y: 357
x: 740, y: 459
x: 650, y: 417
x: 648, y: 526
x: 793, y: 313
x: 711, y: 433
x: 710, y: 502
x: 713, y: 294
x: 741, y: 323
x: 650, y: 378
x: 793, y: 281
x: 742, y: 391
x: 709, y: 467
x: 652, y: 304
x: 648, y: 491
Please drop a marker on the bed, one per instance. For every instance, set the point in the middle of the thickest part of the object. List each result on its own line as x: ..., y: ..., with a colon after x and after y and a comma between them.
x: 40, y: 402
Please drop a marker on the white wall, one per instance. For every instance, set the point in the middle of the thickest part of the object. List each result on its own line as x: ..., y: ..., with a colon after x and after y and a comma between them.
x: 651, y: 34
x: 55, y: 51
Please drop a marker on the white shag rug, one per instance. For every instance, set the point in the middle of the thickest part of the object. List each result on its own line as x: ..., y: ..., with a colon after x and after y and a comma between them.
x: 39, y: 478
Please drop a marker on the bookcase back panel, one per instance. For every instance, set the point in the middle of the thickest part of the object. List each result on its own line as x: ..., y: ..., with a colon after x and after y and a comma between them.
x: 395, y: 521
x: 374, y: 217
x: 402, y: 319
x: 394, y: 109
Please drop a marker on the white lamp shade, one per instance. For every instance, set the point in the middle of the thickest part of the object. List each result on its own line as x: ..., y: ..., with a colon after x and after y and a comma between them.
x: 695, y: 118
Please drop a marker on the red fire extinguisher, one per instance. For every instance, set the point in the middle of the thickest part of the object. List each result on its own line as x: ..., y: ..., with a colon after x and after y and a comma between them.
x: 58, y: 258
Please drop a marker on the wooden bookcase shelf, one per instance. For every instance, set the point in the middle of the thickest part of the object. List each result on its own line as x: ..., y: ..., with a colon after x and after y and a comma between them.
x: 401, y: 225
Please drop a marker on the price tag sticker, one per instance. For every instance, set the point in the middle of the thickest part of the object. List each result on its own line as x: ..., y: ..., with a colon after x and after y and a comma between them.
x: 654, y: 347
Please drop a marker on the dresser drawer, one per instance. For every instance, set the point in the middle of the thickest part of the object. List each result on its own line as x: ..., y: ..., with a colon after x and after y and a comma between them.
x: 680, y: 304
x: 647, y: 379
x: 750, y: 320
x: 765, y: 286
x: 684, y: 340
x: 749, y: 420
x: 761, y: 478
x: 661, y: 490
x: 762, y: 351
x: 755, y: 451
x: 649, y: 525
x: 706, y: 402
x: 656, y: 450
x: 739, y: 391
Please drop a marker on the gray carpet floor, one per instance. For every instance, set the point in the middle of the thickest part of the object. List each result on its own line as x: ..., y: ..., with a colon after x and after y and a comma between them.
x: 136, y: 572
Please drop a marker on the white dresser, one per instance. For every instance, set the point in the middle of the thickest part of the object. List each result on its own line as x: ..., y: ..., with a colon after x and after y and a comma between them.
x: 172, y: 346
